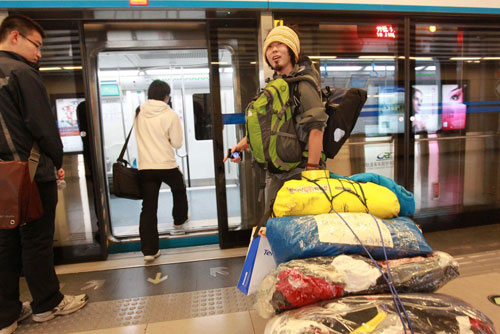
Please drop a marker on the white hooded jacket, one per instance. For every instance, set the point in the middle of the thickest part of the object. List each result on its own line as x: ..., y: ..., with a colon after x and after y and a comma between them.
x: 158, y: 131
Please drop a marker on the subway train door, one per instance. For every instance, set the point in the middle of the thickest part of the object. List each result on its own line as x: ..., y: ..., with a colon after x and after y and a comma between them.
x: 123, y: 60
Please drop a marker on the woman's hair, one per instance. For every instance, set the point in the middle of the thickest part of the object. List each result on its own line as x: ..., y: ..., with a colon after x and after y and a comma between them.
x: 158, y: 90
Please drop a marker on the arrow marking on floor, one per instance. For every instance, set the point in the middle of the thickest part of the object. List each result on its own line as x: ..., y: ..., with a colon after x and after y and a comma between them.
x: 219, y: 270
x: 96, y: 284
x: 158, y: 279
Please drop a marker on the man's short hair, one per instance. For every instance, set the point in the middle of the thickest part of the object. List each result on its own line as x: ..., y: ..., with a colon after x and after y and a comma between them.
x: 158, y: 90
x: 21, y: 23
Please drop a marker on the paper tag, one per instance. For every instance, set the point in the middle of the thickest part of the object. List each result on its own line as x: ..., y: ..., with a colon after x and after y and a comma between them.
x: 332, y: 229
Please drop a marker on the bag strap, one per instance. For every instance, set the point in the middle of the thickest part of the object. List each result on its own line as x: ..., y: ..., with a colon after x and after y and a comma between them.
x: 124, y: 148
x: 34, y: 157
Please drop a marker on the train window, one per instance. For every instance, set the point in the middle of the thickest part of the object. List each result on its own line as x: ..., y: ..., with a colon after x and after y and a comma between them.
x: 455, y: 119
x: 202, y: 117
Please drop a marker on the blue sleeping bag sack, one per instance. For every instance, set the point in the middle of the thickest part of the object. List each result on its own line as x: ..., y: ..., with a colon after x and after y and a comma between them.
x: 300, y: 237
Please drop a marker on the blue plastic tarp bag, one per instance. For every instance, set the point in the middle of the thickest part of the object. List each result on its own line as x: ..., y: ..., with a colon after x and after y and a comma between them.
x: 258, y: 263
x: 301, y: 237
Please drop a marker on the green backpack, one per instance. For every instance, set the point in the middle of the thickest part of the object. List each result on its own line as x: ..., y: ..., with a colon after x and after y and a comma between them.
x: 270, y: 128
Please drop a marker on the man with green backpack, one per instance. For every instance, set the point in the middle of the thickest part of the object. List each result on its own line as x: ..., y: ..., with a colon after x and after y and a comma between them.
x: 285, y: 122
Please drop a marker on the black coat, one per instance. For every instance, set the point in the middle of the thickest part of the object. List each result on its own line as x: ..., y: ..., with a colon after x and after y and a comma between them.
x: 26, y: 110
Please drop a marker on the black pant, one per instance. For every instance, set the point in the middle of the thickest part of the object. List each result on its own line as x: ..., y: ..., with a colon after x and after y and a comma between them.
x: 151, y: 180
x: 29, y: 248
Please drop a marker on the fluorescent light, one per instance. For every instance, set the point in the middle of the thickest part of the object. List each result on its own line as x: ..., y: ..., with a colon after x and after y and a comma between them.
x: 416, y: 58
x: 125, y: 73
x: 253, y: 62
x: 465, y: 58
x: 323, y: 57
x: 72, y: 67
x: 178, y: 71
x: 50, y: 68
x: 219, y: 63
x: 376, y: 57
x: 491, y: 58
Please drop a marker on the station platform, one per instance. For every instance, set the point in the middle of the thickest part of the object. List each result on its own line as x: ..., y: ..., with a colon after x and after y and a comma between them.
x: 193, y: 290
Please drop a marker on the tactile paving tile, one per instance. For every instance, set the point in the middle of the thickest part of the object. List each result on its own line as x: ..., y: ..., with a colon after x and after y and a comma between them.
x: 135, y: 311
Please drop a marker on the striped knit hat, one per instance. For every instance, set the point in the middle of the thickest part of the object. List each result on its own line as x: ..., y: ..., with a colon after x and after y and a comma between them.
x: 286, y: 36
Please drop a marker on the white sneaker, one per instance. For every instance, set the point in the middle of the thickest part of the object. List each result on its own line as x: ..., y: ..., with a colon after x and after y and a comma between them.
x: 25, y: 313
x: 150, y: 258
x: 68, y: 305
x: 186, y: 221
x: 10, y: 329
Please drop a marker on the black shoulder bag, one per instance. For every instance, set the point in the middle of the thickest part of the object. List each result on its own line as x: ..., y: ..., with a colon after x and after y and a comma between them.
x: 126, y: 182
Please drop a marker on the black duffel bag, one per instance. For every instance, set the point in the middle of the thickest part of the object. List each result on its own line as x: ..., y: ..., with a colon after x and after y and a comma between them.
x: 343, y: 107
x: 126, y: 182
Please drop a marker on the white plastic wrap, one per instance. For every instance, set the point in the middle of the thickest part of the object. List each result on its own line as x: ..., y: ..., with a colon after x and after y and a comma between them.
x: 429, y: 314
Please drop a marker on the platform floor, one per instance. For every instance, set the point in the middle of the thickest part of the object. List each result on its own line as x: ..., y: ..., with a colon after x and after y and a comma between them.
x: 194, y: 290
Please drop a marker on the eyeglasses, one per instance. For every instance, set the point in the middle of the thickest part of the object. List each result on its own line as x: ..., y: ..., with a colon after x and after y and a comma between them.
x: 38, y: 46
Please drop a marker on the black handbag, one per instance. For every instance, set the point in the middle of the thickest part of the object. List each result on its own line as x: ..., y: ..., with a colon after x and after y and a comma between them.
x: 126, y: 182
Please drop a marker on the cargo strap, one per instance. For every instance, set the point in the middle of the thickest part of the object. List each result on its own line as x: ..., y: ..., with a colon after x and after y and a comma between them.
x: 361, y: 196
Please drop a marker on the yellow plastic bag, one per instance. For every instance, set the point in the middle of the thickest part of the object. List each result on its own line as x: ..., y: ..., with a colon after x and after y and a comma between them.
x: 303, y: 197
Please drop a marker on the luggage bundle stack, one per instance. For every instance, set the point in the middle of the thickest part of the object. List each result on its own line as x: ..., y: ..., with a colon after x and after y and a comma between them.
x: 349, y: 261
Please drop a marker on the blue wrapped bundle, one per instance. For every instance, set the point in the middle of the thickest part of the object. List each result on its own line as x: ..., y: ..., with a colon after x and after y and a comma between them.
x: 301, y: 237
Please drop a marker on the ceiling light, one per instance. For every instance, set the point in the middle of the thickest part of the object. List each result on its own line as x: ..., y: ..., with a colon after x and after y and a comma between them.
x: 72, y: 67
x: 322, y: 57
x: 465, y: 58
x: 50, y: 68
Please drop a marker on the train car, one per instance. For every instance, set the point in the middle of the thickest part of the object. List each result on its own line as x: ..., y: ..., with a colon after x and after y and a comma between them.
x: 431, y: 121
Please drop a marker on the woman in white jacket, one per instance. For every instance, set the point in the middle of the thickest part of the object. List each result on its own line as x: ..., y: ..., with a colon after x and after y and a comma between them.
x: 158, y: 131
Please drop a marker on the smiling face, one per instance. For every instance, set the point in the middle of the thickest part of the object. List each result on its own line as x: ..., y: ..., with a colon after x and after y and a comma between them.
x: 278, y: 55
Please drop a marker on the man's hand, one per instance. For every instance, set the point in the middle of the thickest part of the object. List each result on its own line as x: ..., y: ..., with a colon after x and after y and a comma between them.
x: 242, y: 145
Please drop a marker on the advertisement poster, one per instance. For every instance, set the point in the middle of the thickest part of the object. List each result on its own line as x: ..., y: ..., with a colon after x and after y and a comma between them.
x: 454, y: 109
x: 391, y: 110
x: 425, y: 108
x: 68, y: 124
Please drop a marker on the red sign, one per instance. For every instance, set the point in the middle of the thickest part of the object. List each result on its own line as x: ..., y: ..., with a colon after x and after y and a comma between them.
x: 138, y: 2
x: 385, y: 31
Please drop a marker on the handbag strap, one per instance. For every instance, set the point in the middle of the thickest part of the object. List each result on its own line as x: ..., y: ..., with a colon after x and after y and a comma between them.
x: 34, y: 157
x: 122, y: 153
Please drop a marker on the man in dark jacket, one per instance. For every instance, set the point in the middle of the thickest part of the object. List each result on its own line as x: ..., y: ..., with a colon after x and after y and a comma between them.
x: 27, y: 118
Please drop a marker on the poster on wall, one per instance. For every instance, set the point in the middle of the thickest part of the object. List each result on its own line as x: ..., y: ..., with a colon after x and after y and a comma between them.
x: 425, y: 108
x: 391, y: 110
x: 454, y: 108
x: 68, y: 124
